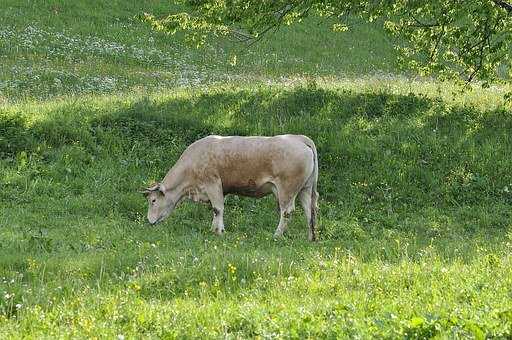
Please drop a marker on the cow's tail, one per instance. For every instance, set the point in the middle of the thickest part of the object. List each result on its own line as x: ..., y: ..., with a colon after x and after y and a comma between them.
x: 314, y: 193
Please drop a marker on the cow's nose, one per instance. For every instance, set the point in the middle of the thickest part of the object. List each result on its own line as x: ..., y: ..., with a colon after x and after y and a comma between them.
x: 155, y: 221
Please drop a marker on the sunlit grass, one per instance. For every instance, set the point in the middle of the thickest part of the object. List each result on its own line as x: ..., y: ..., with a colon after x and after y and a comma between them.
x: 414, y: 223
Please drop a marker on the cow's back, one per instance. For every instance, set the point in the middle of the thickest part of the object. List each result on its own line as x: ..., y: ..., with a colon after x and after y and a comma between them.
x: 245, y: 165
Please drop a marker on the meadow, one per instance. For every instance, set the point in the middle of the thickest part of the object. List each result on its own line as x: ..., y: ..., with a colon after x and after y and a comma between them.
x: 415, y: 222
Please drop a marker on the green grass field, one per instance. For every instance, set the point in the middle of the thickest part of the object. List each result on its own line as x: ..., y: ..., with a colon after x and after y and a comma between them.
x: 415, y: 186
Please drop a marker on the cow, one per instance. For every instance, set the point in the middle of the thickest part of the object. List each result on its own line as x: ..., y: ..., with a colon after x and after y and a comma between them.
x: 214, y: 166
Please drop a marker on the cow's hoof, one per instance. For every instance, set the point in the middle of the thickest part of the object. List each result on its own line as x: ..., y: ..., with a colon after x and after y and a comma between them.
x: 278, y: 235
x: 218, y: 231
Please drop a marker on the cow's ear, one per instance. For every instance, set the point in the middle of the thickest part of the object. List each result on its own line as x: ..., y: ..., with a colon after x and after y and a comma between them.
x: 161, y: 188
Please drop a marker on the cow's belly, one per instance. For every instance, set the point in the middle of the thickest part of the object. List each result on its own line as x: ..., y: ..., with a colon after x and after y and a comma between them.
x: 248, y: 188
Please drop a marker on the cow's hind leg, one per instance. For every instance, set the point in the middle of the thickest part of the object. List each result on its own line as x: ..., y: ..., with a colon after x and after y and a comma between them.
x: 216, y: 197
x: 305, y: 200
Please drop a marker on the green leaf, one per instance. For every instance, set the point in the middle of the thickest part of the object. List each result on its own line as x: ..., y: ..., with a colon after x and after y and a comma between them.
x: 417, y: 322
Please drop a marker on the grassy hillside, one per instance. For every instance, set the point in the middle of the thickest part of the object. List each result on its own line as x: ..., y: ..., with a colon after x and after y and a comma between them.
x: 76, y: 47
x: 415, y: 187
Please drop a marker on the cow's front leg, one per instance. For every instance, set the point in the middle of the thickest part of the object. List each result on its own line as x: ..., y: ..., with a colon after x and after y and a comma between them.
x: 283, y: 221
x: 286, y: 209
x: 218, y: 220
x: 216, y: 197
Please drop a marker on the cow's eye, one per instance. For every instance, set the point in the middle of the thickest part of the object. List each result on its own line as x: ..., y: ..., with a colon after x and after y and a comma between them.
x: 153, y: 200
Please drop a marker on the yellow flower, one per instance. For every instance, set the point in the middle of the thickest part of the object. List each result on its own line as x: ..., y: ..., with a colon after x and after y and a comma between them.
x: 231, y: 268
x: 135, y: 286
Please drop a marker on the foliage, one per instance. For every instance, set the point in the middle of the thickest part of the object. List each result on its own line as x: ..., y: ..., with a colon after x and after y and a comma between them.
x: 448, y: 39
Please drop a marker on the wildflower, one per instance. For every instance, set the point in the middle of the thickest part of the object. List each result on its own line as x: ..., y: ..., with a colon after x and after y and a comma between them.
x: 135, y: 286
x: 231, y: 268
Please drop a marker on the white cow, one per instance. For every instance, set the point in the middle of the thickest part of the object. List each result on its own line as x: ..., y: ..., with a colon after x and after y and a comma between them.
x: 214, y: 166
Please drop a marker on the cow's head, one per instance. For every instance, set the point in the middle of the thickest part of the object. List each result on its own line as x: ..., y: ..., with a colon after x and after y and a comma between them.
x: 160, y: 204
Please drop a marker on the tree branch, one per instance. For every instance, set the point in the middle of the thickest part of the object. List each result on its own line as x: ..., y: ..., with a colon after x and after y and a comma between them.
x: 485, y: 42
x: 422, y: 24
x: 282, y: 13
x: 436, y: 45
x: 240, y: 35
x: 505, y: 5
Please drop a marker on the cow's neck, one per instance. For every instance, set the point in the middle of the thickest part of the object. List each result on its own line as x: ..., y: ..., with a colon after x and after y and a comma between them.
x: 175, y: 184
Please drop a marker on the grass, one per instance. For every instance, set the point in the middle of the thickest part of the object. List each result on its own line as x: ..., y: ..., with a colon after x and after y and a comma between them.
x: 58, y: 48
x: 415, y: 186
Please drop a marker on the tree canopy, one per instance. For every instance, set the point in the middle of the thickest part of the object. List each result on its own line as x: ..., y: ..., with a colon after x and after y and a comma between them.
x: 463, y: 40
